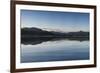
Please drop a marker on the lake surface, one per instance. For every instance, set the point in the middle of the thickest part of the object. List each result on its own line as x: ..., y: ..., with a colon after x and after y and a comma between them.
x: 54, y: 50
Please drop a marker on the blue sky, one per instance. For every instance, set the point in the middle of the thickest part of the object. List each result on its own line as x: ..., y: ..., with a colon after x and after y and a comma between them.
x: 54, y: 20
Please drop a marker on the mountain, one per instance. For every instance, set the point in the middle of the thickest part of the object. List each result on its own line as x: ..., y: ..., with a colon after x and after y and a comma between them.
x: 37, y: 32
x: 34, y: 32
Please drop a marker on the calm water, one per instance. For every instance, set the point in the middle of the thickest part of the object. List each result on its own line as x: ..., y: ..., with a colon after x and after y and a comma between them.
x: 57, y: 50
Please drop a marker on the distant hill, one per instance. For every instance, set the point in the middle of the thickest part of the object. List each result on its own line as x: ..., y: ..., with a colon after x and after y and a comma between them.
x: 37, y: 32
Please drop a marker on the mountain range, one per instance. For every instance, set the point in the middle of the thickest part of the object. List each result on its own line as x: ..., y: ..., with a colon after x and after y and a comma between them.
x: 37, y: 32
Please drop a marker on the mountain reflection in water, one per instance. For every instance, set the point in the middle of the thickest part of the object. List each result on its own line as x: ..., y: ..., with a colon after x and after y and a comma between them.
x: 39, y: 40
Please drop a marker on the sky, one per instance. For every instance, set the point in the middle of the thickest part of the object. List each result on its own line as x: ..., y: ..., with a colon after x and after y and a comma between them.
x: 55, y: 20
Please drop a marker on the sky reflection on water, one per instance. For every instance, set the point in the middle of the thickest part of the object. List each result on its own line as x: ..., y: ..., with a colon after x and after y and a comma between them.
x: 59, y: 50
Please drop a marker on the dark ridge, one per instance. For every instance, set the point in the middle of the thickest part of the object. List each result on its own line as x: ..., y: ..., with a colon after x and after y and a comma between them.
x: 36, y: 32
x: 37, y: 36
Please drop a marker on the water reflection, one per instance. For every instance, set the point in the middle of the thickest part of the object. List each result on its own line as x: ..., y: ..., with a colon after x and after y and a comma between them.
x: 54, y: 49
x: 34, y: 41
